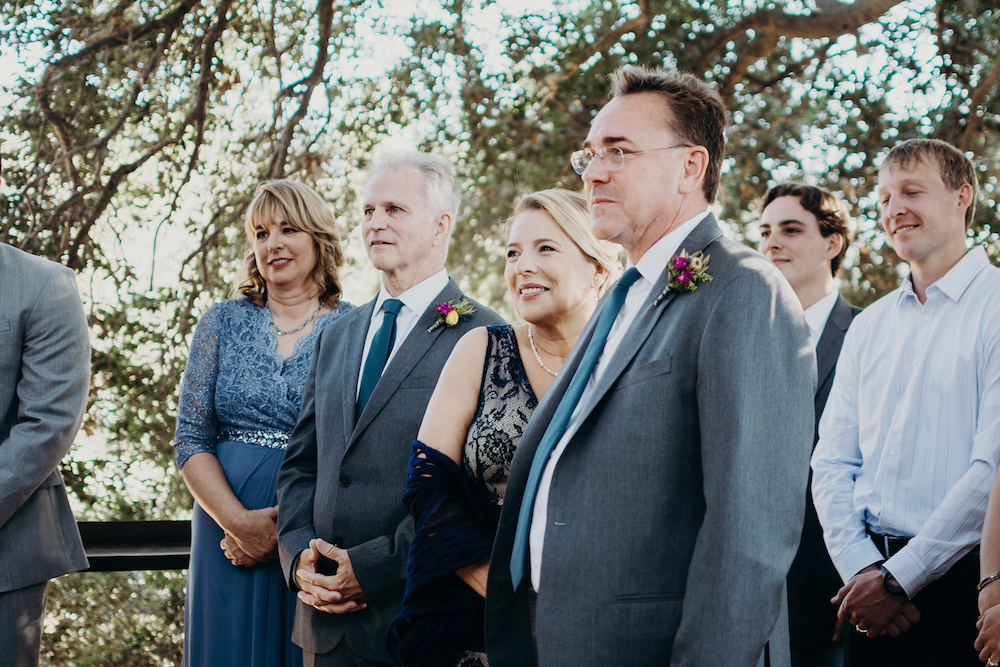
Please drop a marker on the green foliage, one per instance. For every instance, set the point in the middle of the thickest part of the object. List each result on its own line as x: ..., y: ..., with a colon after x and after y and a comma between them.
x: 138, y: 621
x: 136, y: 121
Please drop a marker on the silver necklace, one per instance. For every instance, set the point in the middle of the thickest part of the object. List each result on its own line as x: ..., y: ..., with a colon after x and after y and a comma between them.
x: 541, y: 363
x: 298, y: 328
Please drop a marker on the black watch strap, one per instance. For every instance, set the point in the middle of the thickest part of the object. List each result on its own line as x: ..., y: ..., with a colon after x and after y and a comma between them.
x: 890, y: 583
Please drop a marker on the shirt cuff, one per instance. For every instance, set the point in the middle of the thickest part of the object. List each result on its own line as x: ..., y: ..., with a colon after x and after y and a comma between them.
x: 857, y: 557
x: 908, y: 571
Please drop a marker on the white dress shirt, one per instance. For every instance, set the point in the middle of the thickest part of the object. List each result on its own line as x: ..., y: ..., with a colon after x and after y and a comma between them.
x: 650, y: 266
x: 416, y: 301
x: 817, y: 315
x: 910, y: 436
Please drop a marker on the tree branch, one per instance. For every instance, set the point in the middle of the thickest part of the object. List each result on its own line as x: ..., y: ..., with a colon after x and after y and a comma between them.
x: 770, y: 24
x: 986, y: 85
x: 324, y: 12
x: 551, y: 82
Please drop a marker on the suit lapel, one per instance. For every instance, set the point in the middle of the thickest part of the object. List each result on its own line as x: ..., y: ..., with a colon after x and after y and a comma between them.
x: 352, y: 365
x: 642, y: 326
x: 830, y: 341
x: 411, y: 350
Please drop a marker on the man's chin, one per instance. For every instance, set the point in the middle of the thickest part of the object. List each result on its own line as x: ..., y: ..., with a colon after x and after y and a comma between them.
x: 605, y: 227
x: 380, y: 259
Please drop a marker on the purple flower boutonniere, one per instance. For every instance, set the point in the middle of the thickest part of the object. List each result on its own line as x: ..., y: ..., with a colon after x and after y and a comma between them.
x: 450, y: 312
x: 684, y: 273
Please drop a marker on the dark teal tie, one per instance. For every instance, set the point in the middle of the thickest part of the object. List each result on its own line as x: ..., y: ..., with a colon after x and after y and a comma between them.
x: 378, y: 353
x: 557, y: 425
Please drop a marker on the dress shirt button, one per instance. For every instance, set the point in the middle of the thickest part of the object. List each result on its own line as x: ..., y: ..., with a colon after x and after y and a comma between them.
x: 345, y: 481
x: 895, y: 452
x: 925, y: 318
x: 916, y: 361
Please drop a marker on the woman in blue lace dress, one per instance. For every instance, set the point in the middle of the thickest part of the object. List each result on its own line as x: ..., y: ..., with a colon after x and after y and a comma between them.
x: 556, y: 271
x: 239, y: 400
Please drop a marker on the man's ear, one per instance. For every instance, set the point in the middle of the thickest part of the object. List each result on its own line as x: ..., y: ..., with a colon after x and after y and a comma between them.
x: 695, y: 168
x: 835, y: 243
x: 442, y: 227
x: 965, y: 195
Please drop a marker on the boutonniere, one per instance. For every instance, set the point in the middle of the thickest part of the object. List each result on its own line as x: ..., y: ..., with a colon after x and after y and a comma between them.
x: 684, y: 272
x: 450, y: 312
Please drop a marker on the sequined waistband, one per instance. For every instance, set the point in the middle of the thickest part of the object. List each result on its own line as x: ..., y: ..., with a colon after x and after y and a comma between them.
x: 272, y: 439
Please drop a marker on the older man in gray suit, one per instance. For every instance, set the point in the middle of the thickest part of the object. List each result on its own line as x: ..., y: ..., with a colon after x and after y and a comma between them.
x: 44, y: 380
x: 342, y: 530
x: 656, y: 498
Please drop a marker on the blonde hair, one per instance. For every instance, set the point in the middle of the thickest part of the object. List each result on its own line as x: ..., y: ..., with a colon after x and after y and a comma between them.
x: 569, y: 210
x: 302, y: 208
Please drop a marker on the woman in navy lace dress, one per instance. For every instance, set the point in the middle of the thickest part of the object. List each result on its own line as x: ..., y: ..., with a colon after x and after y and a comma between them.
x: 556, y: 272
x: 239, y: 401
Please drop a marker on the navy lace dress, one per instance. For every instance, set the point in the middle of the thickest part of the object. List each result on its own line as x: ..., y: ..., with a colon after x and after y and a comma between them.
x: 455, y: 512
x: 239, y: 402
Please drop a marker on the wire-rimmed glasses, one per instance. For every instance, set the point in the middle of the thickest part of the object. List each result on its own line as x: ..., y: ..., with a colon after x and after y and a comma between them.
x: 612, y: 157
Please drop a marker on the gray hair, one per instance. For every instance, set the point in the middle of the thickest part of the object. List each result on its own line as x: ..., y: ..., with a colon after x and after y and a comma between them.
x: 440, y: 185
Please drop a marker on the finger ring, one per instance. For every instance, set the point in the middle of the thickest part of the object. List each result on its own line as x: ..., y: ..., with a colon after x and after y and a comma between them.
x: 862, y: 630
x: 990, y: 663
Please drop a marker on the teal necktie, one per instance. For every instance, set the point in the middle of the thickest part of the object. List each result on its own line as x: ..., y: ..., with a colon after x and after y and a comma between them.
x: 378, y: 353
x: 557, y: 425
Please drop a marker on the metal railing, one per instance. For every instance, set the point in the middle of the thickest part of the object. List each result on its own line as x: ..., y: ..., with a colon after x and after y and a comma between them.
x: 116, y: 546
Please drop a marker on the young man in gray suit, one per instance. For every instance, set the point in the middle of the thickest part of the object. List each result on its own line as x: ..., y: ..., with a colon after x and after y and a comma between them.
x: 44, y: 380
x: 804, y: 231
x: 656, y: 498
x: 342, y: 530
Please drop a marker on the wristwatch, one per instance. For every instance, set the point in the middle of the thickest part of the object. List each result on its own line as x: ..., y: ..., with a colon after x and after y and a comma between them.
x: 890, y: 583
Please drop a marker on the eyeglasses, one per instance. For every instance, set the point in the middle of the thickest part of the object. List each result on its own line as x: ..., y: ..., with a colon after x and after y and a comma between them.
x: 612, y: 157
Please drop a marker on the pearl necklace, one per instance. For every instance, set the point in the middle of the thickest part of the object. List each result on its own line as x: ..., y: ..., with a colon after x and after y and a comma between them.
x: 535, y: 350
x: 298, y: 328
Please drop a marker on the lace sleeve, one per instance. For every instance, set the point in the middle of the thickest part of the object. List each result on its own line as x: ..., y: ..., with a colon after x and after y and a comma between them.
x: 196, y: 421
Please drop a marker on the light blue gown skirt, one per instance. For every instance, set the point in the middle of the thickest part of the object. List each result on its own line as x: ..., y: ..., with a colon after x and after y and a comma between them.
x: 233, y: 615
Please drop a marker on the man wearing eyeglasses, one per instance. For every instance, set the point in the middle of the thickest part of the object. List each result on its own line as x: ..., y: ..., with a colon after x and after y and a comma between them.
x: 656, y: 499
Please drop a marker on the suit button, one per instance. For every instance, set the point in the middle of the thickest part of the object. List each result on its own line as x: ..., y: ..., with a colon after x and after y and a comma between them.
x: 345, y: 481
x: 337, y: 542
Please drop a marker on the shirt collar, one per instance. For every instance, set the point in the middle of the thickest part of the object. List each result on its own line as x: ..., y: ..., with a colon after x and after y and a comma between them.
x: 654, y: 261
x: 418, y: 298
x: 818, y: 313
x: 954, y: 283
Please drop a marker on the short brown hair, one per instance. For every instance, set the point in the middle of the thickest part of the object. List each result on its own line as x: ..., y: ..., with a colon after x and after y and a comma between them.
x: 830, y: 212
x: 302, y: 208
x: 697, y: 115
x: 955, y: 169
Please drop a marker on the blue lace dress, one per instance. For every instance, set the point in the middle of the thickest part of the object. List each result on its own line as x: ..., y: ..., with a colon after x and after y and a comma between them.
x: 456, y: 510
x: 239, y: 402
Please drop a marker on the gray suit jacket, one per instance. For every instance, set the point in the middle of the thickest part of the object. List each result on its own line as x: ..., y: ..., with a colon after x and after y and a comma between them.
x: 344, y: 482
x: 44, y: 380
x: 676, y: 509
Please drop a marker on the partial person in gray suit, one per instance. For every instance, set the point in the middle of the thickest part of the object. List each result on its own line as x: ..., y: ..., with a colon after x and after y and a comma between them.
x: 804, y: 231
x: 44, y: 380
x: 665, y: 514
x: 343, y: 532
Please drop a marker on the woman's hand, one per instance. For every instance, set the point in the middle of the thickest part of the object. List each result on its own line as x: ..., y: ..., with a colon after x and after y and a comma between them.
x: 988, y: 641
x: 475, y: 575
x: 255, y: 533
x: 233, y: 552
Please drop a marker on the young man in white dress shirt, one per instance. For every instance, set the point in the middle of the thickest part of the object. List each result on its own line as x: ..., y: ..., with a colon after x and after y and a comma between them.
x: 804, y: 231
x: 908, y: 442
